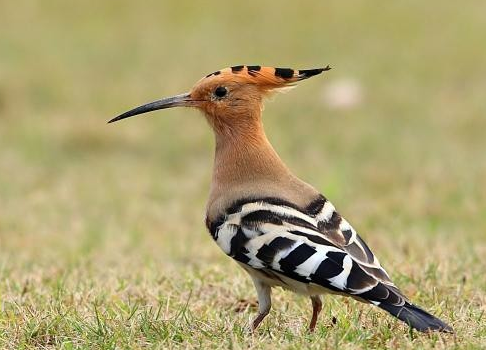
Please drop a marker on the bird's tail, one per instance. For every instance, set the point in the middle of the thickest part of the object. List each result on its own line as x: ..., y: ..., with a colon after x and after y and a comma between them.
x: 416, y: 317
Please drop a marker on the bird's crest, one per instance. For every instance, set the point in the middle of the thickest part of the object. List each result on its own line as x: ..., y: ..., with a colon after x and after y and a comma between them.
x: 268, y: 78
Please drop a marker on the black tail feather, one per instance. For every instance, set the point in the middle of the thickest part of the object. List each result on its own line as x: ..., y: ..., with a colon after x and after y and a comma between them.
x: 417, y: 318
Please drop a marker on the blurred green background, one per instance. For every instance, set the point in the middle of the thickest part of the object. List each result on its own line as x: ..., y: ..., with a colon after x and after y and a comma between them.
x: 90, y: 204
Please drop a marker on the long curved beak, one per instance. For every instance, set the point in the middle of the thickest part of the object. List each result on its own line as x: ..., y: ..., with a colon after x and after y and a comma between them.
x: 182, y: 100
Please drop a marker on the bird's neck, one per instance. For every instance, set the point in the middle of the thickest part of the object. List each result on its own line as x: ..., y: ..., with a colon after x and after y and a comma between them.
x: 245, y: 155
x: 246, y: 165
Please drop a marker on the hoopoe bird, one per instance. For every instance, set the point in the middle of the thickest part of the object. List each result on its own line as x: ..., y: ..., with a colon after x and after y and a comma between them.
x: 278, y: 228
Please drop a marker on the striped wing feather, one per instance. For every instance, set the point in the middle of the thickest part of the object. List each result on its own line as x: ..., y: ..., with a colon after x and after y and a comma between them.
x: 314, y: 246
x: 299, y: 248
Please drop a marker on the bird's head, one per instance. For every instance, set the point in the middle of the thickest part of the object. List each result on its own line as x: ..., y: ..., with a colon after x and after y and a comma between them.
x: 231, y: 96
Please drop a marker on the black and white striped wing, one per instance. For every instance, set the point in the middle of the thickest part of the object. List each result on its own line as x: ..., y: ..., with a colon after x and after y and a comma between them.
x: 332, y: 225
x: 314, y: 246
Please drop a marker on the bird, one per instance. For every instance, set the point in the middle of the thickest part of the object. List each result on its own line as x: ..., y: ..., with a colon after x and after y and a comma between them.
x: 282, y: 231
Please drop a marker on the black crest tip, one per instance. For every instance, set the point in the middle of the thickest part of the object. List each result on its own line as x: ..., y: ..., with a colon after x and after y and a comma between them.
x: 307, y: 73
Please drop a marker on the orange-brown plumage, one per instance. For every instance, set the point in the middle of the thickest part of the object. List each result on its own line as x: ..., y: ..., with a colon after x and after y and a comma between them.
x: 245, y: 161
x: 246, y: 89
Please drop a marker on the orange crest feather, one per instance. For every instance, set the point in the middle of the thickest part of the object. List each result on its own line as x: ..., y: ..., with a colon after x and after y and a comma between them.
x: 268, y: 78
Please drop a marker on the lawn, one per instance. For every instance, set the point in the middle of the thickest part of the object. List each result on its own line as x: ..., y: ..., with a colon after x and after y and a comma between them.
x: 102, y: 240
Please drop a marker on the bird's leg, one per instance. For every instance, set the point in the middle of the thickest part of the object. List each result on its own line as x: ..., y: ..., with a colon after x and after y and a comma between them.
x: 316, y: 309
x: 264, y: 301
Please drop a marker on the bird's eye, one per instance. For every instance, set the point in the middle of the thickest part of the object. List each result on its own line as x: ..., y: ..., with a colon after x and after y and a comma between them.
x: 220, y: 91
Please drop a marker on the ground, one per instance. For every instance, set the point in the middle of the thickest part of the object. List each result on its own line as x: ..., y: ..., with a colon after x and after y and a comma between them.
x: 102, y: 240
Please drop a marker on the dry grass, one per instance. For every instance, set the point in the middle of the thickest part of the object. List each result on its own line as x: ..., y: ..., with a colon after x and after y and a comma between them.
x: 102, y: 242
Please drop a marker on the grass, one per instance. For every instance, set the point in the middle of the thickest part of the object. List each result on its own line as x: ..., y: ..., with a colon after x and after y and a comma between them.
x: 102, y: 242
